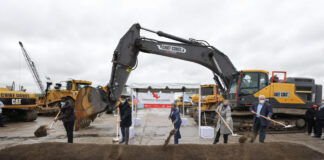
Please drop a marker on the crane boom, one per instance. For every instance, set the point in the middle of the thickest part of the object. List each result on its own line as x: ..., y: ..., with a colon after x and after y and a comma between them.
x: 32, y: 68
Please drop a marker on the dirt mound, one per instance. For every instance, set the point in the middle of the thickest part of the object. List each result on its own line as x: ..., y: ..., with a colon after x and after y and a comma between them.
x: 267, y: 151
x: 41, y: 131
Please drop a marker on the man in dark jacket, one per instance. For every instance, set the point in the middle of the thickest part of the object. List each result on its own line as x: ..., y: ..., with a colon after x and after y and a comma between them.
x: 319, y: 118
x: 1, y: 106
x: 125, y: 118
x: 259, y: 123
x: 68, y: 117
x: 310, y: 119
x: 176, y: 122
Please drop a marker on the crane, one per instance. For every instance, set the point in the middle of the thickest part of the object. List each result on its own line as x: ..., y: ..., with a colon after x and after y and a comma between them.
x: 32, y: 68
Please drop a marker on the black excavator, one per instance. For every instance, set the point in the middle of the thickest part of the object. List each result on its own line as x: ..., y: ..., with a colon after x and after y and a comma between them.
x: 290, y: 97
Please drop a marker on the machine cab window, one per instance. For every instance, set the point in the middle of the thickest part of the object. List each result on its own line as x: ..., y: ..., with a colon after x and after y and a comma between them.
x: 69, y: 85
x: 205, y: 91
x: 248, y: 83
x: 81, y: 85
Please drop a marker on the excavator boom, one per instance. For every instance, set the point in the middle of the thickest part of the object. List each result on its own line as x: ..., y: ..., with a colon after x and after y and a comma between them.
x: 125, y: 60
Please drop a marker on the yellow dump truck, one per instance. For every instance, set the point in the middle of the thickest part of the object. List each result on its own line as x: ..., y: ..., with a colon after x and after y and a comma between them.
x: 18, y: 105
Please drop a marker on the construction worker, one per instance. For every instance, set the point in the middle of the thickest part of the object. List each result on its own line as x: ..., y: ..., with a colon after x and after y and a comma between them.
x: 310, y: 119
x: 125, y: 118
x: 176, y: 122
x: 225, y: 111
x: 259, y: 123
x: 319, y: 120
x: 67, y: 116
x: 1, y: 106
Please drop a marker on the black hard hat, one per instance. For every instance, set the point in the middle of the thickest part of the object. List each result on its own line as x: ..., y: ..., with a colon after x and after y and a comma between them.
x: 123, y: 97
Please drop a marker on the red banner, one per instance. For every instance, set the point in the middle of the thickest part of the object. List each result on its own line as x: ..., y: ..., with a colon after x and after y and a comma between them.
x: 157, y: 105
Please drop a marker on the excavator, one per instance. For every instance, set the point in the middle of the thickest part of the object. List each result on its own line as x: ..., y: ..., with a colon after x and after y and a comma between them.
x: 290, y: 97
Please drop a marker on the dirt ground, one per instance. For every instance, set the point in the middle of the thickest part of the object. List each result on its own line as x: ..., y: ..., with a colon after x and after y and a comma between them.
x: 154, y: 129
x: 268, y: 151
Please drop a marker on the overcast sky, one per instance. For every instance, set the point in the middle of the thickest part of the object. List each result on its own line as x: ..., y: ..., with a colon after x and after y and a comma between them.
x: 76, y: 39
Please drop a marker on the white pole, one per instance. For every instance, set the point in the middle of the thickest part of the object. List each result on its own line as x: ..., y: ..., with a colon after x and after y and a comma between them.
x: 183, y: 113
x: 136, y: 104
x: 199, y: 114
x: 132, y: 107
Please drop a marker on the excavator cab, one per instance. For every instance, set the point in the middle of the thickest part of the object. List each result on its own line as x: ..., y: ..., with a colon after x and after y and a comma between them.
x: 244, y: 85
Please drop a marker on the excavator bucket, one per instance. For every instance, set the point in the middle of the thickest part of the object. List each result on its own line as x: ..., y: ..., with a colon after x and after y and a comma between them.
x: 89, y: 102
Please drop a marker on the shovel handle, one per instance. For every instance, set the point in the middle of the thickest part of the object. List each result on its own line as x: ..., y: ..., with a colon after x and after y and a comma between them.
x: 54, y: 119
x: 57, y: 114
x: 226, y: 124
x: 269, y: 119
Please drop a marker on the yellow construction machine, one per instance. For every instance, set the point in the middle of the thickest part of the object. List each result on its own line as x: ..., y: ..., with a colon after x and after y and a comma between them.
x: 18, y: 105
x: 50, y: 101
x: 289, y: 96
x: 210, y: 98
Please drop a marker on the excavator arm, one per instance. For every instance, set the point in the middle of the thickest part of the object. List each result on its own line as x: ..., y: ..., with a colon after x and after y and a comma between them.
x: 125, y: 60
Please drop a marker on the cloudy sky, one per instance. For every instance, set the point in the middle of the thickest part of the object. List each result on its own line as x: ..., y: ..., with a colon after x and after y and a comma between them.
x: 76, y: 38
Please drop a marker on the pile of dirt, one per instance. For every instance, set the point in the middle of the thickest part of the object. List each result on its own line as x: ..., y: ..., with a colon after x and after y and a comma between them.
x: 247, y: 151
x: 41, y: 131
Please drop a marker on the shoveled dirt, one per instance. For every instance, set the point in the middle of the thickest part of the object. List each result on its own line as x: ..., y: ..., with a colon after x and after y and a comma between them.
x: 172, y: 132
x: 41, y: 131
x: 247, y: 151
x: 245, y: 137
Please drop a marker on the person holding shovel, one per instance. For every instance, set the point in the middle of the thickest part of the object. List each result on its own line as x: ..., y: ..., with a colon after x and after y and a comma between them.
x: 67, y: 116
x: 262, y: 111
x: 176, y: 122
x: 221, y: 128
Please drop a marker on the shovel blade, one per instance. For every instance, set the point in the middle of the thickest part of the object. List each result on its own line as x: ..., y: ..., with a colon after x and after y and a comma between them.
x: 289, y: 126
x: 116, y: 139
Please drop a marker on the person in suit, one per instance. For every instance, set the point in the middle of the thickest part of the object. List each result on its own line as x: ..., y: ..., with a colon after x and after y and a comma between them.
x: 261, y: 124
x: 125, y: 118
x: 176, y: 122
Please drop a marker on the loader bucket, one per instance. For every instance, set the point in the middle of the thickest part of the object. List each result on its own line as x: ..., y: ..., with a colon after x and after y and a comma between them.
x: 89, y: 103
